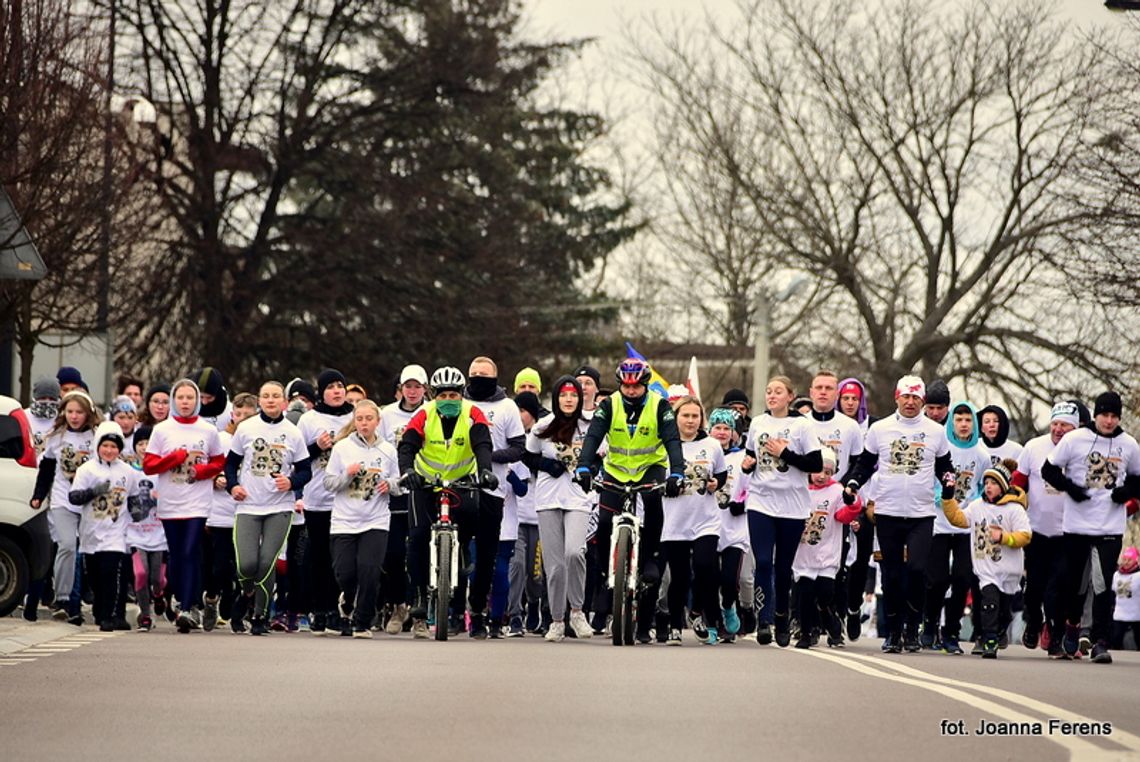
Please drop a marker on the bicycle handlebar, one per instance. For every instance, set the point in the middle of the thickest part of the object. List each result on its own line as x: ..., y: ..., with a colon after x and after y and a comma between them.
x: 437, y: 482
x: 627, y: 489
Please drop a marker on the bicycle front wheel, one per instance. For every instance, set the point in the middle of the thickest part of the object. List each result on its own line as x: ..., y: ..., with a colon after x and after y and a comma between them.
x: 443, y: 585
x: 622, y: 610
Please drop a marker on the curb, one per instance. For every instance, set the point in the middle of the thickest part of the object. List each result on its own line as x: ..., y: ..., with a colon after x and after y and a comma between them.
x: 17, y: 634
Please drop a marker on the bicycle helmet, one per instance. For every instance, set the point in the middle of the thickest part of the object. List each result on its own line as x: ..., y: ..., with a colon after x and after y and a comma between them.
x: 447, y: 379
x: 634, y: 371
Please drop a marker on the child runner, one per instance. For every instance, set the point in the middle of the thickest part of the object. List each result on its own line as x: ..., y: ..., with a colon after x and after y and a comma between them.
x: 362, y: 471
x: 1126, y: 585
x: 819, y: 555
x: 69, y: 445
x: 146, y: 539
x: 186, y: 454
x: 733, y: 542
x: 105, y: 486
x: 123, y: 413
x: 1001, y: 529
x: 266, y: 470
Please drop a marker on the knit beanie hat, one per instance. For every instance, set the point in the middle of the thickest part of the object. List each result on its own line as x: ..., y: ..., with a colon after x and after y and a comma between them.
x: 70, y: 375
x: 109, y: 431
x: 938, y: 393
x: 1108, y: 402
x: 328, y: 377
x: 122, y: 405
x: 45, y: 388
x: 142, y: 434
x: 301, y: 387
x: 1000, y: 473
x: 592, y: 372
x: 912, y: 385
x: 736, y: 396
x: 829, y: 458
x: 528, y: 376
x: 528, y: 401
x: 1065, y: 412
x: 723, y: 415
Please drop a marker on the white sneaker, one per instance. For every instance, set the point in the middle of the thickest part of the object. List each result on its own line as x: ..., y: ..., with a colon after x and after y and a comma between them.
x: 365, y: 634
x: 396, y: 621
x: 556, y: 632
x: 420, y: 629
x: 582, y: 629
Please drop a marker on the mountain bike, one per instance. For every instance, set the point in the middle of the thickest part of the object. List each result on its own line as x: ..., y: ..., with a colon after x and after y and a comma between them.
x: 622, y: 577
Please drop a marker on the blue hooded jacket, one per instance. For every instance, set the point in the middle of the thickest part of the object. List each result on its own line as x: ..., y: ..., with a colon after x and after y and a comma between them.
x: 974, y: 489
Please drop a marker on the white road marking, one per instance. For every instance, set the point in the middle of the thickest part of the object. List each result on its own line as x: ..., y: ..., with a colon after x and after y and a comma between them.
x: 1077, y: 747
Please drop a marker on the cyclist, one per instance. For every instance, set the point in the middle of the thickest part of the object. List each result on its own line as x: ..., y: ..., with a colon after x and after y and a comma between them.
x: 643, y: 442
x: 447, y: 438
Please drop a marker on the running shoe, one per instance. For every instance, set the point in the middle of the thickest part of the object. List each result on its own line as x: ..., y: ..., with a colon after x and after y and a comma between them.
x: 699, y: 628
x: 764, y: 634
x: 144, y: 623
x: 1057, y: 652
x: 1084, y: 645
x: 396, y: 622
x: 278, y: 623
x: 783, y: 631
x: 990, y: 649
x: 345, y: 627
x: 59, y: 611
x: 580, y: 626
x: 1072, y: 640
x: 1100, y: 654
x: 731, y: 620
x: 364, y: 634
x: 1030, y: 637
x: 711, y: 638
x: 318, y: 624
x: 556, y: 632
x: 854, y: 626
x: 835, y: 642
x: 420, y: 630
x: 1046, y: 638
x: 950, y: 645
x: 209, y: 612
x: 495, y: 631
x: 516, y: 628
x: 258, y: 626
x: 927, y: 638
x: 120, y: 624
x: 674, y: 637
x: 478, y: 628
x: 892, y: 644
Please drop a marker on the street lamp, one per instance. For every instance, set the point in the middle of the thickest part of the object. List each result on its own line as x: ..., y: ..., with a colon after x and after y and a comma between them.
x: 764, y: 305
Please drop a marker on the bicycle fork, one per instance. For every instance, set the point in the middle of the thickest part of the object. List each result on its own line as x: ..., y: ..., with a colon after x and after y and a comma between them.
x: 635, y: 536
x: 437, y: 530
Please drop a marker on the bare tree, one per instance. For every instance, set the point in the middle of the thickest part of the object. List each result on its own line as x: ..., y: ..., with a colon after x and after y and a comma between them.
x: 919, y: 164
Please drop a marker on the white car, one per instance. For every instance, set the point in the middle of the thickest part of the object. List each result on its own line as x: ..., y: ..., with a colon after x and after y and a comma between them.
x: 25, y: 542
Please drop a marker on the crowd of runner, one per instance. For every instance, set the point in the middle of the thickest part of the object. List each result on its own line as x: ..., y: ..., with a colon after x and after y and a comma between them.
x: 309, y: 507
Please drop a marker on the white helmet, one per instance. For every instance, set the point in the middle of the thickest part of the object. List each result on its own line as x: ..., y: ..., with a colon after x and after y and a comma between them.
x: 447, y: 379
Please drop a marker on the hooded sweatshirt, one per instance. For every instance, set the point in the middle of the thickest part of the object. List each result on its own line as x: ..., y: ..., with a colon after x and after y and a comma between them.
x: 994, y: 563
x: 970, y: 460
x: 1001, y: 446
x: 186, y: 454
x: 1098, y: 464
x: 861, y: 416
x: 508, y: 436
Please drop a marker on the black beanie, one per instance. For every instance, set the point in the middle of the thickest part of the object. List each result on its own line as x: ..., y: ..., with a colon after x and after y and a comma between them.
x: 737, y: 396
x: 528, y: 401
x: 328, y: 376
x: 156, y: 389
x: 592, y: 372
x: 937, y: 393
x: 210, y: 382
x: 1108, y: 402
x: 142, y: 434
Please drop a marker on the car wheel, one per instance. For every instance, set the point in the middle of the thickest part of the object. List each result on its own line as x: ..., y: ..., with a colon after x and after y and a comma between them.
x: 14, y: 575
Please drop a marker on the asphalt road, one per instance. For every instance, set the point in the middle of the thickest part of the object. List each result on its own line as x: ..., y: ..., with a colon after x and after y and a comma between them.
x: 295, y: 696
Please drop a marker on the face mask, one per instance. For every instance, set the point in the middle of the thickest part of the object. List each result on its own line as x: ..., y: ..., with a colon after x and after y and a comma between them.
x: 449, y: 408
x: 482, y: 387
x: 45, y: 409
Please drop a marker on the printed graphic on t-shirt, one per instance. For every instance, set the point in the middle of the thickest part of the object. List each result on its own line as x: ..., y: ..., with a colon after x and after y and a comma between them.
x: 765, y: 461
x: 109, y: 506
x: 696, y: 478
x: 184, y: 472
x: 322, y: 460
x: 268, y: 457
x: 723, y: 498
x: 568, y: 454
x: 832, y: 439
x: 984, y: 547
x: 1102, y: 471
x: 964, y: 481
x: 906, y: 455
x: 816, y: 524
x: 38, y: 440
x: 71, y: 458
x: 365, y: 484
x: 148, y: 500
x: 1123, y: 588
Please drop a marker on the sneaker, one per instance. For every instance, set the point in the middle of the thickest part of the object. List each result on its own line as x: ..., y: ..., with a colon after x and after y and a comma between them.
x: 978, y: 648
x: 783, y: 631
x: 396, y: 622
x: 209, y: 612
x: 318, y: 625
x: 1056, y: 652
x: 1100, y: 654
x: 835, y: 642
x: 292, y: 622
x: 345, y: 627
x: 674, y: 638
x: 189, y: 619
x: 420, y: 629
x: 364, y: 634
x: 495, y: 630
x: 990, y: 648
x: 515, y: 630
x: 1072, y: 640
x: 803, y: 641
x: 1084, y: 645
x: 580, y: 626
x: 892, y: 644
x: 1046, y: 642
x: 747, y: 621
x: 59, y: 611
x: 556, y: 632
x: 731, y: 620
x: 854, y: 627
x: 121, y: 624
x: 144, y: 623
x: 910, y: 643
x: 279, y: 623
x: 1003, y: 640
x: 597, y: 624
x: 1031, y: 637
x: 30, y: 614
x: 926, y: 640
x: 711, y: 639
x: 699, y: 628
x: 237, y: 613
x: 76, y: 620
x: 950, y: 645
x: 764, y: 634
x: 478, y: 628
x: 106, y: 626
x: 258, y: 626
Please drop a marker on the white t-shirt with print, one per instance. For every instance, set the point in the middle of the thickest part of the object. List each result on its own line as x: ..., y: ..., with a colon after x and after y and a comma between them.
x: 696, y: 512
x: 312, y: 424
x: 559, y: 491
x: 180, y: 495
x: 776, y: 488
x: 995, y: 563
x: 969, y: 465
x: 1046, y: 504
x: 907, y: 449
x: 733, y: 529
x: 222, y: 505
x: 360, y: 507
x: 1099, y: 464
x: 505, y: 422
x: 821, y: 543
x: 266, y: 449
x: 841, y: 434
x: 104, y: 521
x: 70, y: 450
x: 1127, y: 589
x: 147, y: 533
x: 38, y: 428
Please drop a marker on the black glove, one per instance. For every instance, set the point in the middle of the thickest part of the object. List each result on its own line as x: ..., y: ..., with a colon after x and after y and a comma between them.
x: 1120, y: 495
x: 736, y: 508
x: 412, y: 481
x: 949, y: 485
x: 488, y: 480
x: 552, y: 466
x: 102, y: 488
x: 850, y: 492
x: 584, y: 478
x: 1077, y: 492
x: 674, y: 484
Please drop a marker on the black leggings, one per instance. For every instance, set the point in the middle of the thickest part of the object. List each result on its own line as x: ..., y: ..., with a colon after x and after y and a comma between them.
x: 609, y: 505
x: 108, y: 573
x: 220, y: 569
x: 856, y: 577
x: 1044, y: 577
x: 1077, y: 549
x: 995, y: 612
x: 701, y: 555
x: 905, y: 545
x: 479, y: 517
x: 948, y: 565
x: 319, y: 564
x: 731, y: 560
x: 357, y: 560
x: 816, y: 609
x: 774, y: 543
x: 395, y: 587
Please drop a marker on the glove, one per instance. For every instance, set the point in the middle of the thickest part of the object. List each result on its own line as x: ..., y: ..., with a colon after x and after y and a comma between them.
x: 736, y: 508
x: 102, y: 488
x: 1121, y: 495
x: 849, y: 492
x: 583, y: 478
x: 412, y: 481
x: 673, y: 485
x: 552, y: 466
x: 1077, y: 492
x: 488, y: 480
x: 518, y: 485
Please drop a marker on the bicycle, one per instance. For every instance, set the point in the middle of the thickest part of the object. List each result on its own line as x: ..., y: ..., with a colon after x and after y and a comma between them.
x: 622, y: 576
x: 443, y: 563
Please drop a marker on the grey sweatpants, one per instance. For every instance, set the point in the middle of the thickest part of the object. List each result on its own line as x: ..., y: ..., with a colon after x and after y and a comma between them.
x: 563, y: 535
x: 258, y: 541
x: 521, y: 575
x: 65, y: 532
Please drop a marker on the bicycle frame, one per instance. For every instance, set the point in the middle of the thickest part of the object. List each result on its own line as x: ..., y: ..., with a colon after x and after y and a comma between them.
x: 443, y: 525
x: 626, y: 518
